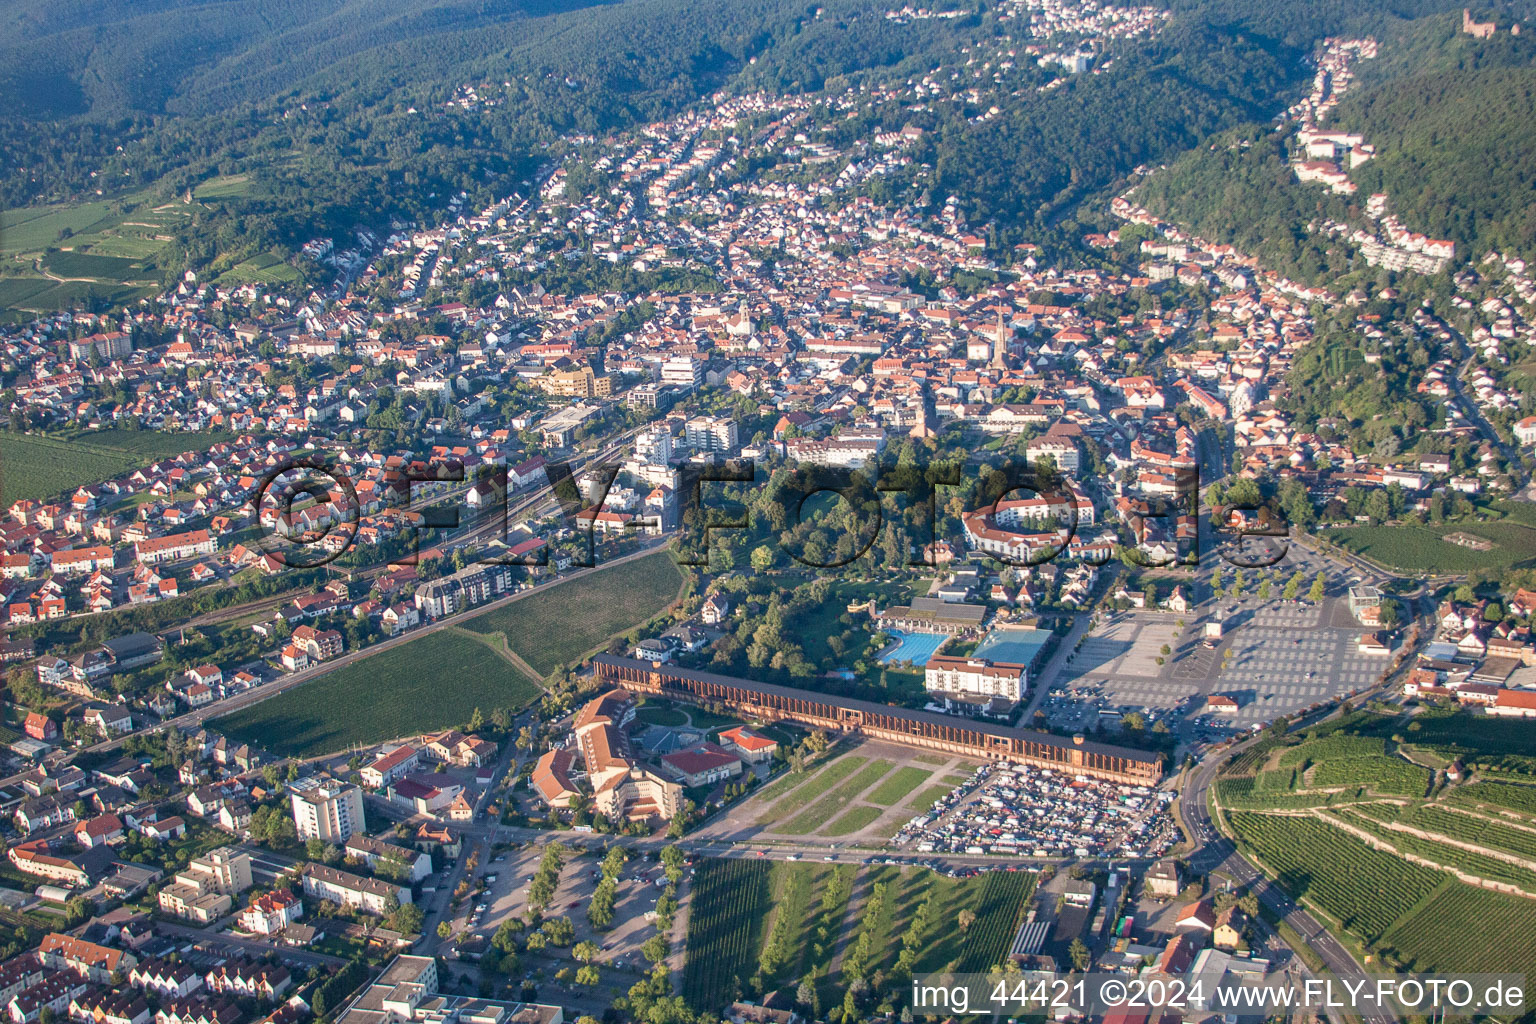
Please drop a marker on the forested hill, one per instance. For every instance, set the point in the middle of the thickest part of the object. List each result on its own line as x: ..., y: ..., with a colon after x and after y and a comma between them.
x: 1453, y: 120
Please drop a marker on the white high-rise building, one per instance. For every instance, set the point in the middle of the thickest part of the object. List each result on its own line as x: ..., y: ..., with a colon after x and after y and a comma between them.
x: 655, y: 446
x: 330, y: 812
x: 711, y: 433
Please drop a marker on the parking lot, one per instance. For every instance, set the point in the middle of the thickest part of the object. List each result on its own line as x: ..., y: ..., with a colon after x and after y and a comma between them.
x: 507, y: 876
x: 1274, y: 657
x: 1036, y: 812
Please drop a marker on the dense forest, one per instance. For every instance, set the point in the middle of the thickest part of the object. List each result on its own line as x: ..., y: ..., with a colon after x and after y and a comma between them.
x: 1454, y: 121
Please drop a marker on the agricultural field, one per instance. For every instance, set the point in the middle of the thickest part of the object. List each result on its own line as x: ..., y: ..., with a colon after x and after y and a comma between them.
x: 432, y: 682
x: 1495, y: 796
x: 1440, y: 853
x: 89, y: 266
x: 1464, y: 928
x: 265, y: 268
x: 230, y: 186
x: 40, y: 466
x: 34, y: 227
x: 726, y: 919
x: 1388, y: 776
x: 1367, y: 891
x: 767, y: 926
x: 103, y: 252
x: 562, y: 623
x: 1421, y: 549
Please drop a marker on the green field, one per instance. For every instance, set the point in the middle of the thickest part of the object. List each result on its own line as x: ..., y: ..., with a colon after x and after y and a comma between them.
x: 432, y: 682
x: 562, y: 623
x: 90, y: 265
x: 899, y: 785
x: 105, y: 250
x: 37, y: 466
x: 263, y: 269
x: 805, y: 788
x: 230, y: 186
x: 1366, y: 890
x: 1420, y: 549
x: 660, y: 714
x: 859, y: 817
x: 726, y: 924
x: 921, y: 802
x: 34, y: 227
x: 836, y: 799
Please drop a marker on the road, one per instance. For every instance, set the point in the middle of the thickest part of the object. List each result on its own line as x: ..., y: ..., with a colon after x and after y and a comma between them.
x: 1475, y: 413
x: 258, y: 947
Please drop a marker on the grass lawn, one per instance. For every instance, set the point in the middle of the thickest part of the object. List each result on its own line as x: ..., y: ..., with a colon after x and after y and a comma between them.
x: 660, y: 714
x: 38, y: 466
x: 261, y: 269
x: 924, y: 800
x: 806, y: 788
x: 227, y: 187
x: 428, y: 683
x: 841, y: 796
x: 898, y: 785
x: 561, y: 623
x: 859, y: 817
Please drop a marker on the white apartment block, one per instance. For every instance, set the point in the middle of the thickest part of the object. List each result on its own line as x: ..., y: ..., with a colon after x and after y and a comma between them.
x: 330, y: 812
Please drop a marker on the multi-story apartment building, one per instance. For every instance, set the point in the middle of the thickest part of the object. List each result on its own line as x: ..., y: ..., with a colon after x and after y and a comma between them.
x: 711, y: 433
x: 330, y: 811
x: 205, y: 889
x: 975, y: 676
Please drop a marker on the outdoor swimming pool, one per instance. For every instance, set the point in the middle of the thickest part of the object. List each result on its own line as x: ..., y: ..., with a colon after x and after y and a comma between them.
x: 914, y: 647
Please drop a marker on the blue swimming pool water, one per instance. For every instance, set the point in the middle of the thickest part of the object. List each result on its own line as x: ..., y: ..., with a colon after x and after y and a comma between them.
x: 914, y: 647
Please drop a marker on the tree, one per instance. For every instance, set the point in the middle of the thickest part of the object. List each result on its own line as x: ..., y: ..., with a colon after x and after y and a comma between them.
x: 965, y: 919
x: 560, y: 931
x: 586, y: 975
x: 585, y: 951
x: 762, y: 558
x: 444, y: 929
x: 1079, y: 955
x: 1319, y: 588
x: 654, y: 949
x: 476, y: 720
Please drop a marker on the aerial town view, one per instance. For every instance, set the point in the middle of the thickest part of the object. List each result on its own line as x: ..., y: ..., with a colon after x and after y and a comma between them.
x: 769, y: 513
